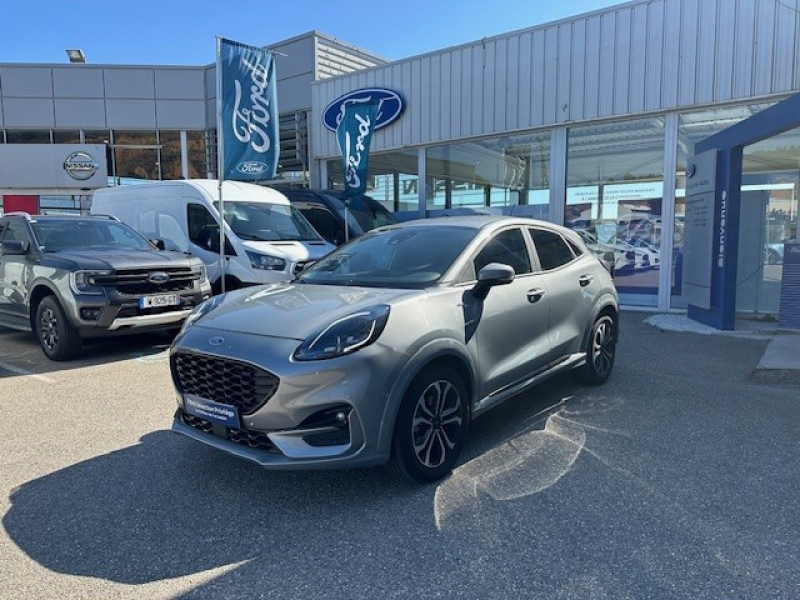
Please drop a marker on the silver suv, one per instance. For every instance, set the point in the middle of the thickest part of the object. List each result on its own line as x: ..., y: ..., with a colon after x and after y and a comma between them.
x: 73, y: 277
x: 384, y: 350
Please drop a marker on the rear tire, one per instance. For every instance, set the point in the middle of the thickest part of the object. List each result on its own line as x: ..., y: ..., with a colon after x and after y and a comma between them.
x: 431, y: 426
x: 57, y: 337
x: 601, y: 350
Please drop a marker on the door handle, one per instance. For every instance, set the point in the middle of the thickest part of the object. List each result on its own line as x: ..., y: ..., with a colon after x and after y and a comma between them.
x: 535, y: 295
x: 585, y: 280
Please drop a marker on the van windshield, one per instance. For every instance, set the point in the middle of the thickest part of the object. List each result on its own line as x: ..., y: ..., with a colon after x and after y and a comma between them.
x: 266, y: 222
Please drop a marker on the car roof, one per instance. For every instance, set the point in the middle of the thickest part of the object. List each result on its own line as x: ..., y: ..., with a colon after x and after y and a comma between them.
x: 478, y: 222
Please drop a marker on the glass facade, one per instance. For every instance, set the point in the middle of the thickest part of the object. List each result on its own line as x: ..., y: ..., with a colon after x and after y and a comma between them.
x: 694, y: 127
x: 614, y: 199
x: 393, y: 179
x: 508, y: 170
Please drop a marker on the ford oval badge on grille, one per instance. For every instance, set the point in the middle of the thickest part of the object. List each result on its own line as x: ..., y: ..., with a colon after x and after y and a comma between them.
x: 158, y: 277
x: 216, y: 341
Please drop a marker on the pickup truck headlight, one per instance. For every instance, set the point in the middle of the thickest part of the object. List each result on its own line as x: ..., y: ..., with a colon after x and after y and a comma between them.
x: 265, y: 262
x: 83, y: 282
x: 201, y: 270
x: 345, y: 336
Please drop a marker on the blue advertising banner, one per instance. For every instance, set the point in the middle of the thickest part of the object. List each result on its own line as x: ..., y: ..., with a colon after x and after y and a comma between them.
x: 354, y: 134
x: 248, y: 112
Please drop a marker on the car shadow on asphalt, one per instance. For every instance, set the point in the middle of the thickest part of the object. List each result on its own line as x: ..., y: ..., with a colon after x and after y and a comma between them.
x: 21, y: 354
x: 169, y: 507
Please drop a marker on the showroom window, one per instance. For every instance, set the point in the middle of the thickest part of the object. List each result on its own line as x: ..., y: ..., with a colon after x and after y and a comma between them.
x: 66, y: 137
x: 198, y: 158
x: 392, y: 179
x: 134, y: 156
x: 692, y: 128
x: 506, y: 171
x: 28, y: 136
x: 170, y: 155
x: 615, y: 180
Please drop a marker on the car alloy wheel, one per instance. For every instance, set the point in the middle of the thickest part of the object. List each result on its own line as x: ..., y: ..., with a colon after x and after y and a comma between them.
x: 603, y: 347
x: 48, y: 329
x: 431, y: 426
x: 437, y: 423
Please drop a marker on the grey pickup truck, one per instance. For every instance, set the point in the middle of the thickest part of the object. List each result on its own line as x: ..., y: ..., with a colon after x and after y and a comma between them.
x: 68, y: 278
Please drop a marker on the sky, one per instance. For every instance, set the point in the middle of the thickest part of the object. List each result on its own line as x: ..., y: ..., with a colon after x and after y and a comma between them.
x: 182, y: 32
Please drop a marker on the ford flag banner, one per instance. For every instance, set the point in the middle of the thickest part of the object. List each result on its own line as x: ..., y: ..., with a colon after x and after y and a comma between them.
x: 247, y: 112
x: 354, y: 134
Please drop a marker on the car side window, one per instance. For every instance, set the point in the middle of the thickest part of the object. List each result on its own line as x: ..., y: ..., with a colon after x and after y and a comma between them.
x: 323, y: 221
x: 575, y: 248
x: 16, y: 231
x: 202, y: 226
x: 507, y: 248
x: 553, y: 251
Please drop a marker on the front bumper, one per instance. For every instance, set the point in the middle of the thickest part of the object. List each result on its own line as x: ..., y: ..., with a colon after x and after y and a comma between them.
x: 288, y: 431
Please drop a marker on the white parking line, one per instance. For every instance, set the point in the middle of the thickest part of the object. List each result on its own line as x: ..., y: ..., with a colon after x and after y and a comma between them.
x: 25, y: 372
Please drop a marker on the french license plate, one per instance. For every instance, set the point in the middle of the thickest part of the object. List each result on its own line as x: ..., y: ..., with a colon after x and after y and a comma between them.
x: 209, y: 410
x: 160, y: 300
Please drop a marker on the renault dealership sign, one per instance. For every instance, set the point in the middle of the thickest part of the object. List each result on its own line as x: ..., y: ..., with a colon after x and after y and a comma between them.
x: 52, y: 166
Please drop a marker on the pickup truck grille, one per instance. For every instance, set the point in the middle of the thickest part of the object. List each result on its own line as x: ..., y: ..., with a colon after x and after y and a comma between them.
x: 136, y: 282
x: 223, y: 380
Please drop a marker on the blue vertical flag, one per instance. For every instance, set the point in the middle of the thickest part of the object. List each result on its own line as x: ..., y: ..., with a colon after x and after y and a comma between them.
x: 247, y: 127
x: 354, y: 134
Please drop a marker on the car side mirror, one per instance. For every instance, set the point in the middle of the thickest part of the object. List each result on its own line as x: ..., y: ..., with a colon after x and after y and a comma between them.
x: 491, y: 275
x: 13, y: 248
x: 159, y: 244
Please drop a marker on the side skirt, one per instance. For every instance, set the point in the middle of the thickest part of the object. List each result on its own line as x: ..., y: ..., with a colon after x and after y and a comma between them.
x: 503, y: 394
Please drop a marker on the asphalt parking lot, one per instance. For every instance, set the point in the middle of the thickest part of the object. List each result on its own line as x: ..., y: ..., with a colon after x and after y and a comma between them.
x: 677, y: 479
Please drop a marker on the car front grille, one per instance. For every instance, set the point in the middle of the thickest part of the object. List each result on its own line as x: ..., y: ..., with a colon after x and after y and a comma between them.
x: 223, y: 380
x: 135, y: 282
x: 244, y: 437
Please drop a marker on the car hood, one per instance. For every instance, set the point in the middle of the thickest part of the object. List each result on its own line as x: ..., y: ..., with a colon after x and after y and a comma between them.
x: 105, y: 259
x: 293, y: 251
x: 294, y: 311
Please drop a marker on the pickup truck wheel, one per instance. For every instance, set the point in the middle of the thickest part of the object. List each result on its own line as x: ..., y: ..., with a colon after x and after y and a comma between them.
x: 58, y: 338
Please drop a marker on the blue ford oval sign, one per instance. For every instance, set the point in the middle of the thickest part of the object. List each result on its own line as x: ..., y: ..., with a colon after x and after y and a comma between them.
x: 390, y: 106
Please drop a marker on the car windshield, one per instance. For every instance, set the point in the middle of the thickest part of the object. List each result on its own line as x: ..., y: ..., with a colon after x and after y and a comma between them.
x: 55, y: 235
x: 365, y: 214
x: 404, y: 257
x: 267, y: 222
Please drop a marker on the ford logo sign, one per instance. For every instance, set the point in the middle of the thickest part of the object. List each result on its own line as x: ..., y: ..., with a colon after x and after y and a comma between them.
x: 81, y: 166
x: 158, y: 277
x: 390, y: 106
x: 216, y: 341
x: 252, y: 167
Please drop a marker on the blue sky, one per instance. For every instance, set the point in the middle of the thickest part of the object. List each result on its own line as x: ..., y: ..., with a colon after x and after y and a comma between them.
x: 181, y: 32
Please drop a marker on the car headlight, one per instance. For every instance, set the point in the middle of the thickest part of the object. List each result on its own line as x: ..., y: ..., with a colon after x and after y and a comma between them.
x: 201, y: 271
x: 346, y: 335
x: 265, y: 261
x: 201, y: 310
x: 83, y: 282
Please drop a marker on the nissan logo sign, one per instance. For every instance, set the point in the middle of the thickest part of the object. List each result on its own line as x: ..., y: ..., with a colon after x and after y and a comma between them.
x: 158, y: 277
x: 390, y: 106
x: 81, y: 166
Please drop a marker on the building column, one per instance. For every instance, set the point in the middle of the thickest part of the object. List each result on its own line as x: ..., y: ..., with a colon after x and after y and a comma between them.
x: 558, y: 174
x: 184, y: 156
x: 668, y: 210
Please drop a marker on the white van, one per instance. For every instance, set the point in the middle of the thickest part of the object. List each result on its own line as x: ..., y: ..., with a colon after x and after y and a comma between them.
x: 268, y: 240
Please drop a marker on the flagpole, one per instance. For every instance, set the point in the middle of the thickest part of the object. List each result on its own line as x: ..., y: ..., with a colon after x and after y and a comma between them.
x: 220, y: 167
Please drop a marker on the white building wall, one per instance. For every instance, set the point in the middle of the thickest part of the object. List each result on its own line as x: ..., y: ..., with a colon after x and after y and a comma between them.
x: 642, y: 56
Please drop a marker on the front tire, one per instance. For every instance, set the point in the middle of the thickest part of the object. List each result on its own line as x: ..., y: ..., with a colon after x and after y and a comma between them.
x: 431, y: 426
x: 57, y: 337
x: 601, y: 351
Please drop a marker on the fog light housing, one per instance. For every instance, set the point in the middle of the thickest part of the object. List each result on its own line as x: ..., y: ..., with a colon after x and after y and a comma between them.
x: 90, y: 313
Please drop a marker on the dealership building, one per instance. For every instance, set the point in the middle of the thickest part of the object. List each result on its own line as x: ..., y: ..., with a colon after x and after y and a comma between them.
x: 589, y: 121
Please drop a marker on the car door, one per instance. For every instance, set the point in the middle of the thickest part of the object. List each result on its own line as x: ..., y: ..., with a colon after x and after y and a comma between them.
x: 572, y: 284
x: 507, y: 331
x: 14, y: 270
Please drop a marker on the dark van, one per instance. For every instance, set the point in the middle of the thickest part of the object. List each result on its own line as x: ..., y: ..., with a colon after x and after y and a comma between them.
x: 325, y: 210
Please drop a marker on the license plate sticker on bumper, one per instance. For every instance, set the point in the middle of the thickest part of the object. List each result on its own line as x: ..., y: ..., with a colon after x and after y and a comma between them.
x: 160, y: 300
x: 215, y: 412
